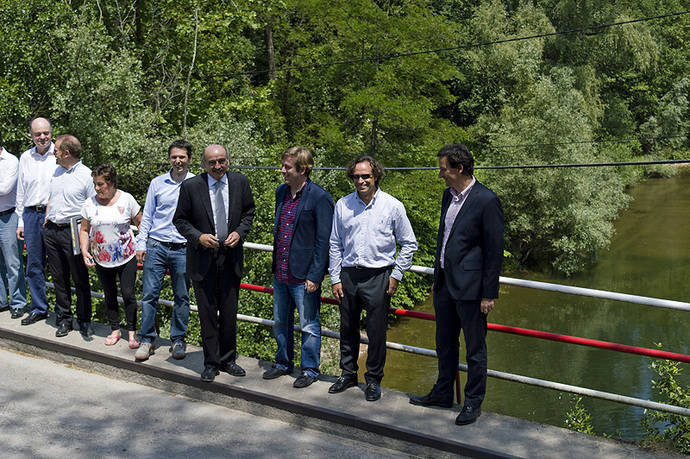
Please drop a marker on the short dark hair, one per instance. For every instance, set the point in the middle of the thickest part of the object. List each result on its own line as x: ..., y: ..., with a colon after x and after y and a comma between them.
x: 458, y: 156
x: 183, y: 144
x: 376, y: 167
x: 71, y: 143
x: 304, y: 160
x: 108, y: 173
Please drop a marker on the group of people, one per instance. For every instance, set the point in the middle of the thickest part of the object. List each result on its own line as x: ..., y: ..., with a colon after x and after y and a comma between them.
x: 194, y: 227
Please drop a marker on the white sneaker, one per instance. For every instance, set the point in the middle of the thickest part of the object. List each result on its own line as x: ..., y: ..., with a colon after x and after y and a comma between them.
x: 144, y: 351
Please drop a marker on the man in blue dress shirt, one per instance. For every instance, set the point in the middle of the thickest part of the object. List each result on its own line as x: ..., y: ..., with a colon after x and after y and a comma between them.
x: 161, y: 247
x: 365, y: 271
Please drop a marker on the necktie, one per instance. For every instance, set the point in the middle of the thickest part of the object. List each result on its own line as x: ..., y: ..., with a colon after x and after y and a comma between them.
x: 221, y: 219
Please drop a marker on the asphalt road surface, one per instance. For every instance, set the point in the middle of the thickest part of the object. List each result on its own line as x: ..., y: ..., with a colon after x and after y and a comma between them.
x: 51, y: 410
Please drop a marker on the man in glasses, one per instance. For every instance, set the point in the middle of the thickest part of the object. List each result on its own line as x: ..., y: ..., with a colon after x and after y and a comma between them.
x: 214, y: 213
x: 365, y: 271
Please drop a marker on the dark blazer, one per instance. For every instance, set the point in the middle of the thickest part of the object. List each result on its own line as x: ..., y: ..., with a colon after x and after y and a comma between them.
x: 194, y: 217
x: 474, y: 251
x: 308, y: 257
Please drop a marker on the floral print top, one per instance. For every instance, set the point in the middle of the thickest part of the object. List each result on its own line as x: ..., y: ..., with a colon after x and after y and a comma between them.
x: 111, y: 240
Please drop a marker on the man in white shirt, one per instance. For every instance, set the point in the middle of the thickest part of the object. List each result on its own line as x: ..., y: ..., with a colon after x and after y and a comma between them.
x: 365, y: 270
x: 70, y: 186
x: 12, y: 285
x: 36, y: 167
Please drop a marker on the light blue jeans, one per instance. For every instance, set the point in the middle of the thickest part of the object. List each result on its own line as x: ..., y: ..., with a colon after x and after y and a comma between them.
x: 287, y: 297
x: 11, y: 271
x: 160, y: 257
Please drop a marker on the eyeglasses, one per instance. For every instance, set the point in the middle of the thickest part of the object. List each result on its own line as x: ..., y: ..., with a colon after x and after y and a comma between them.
x: 220, y: 162
x: 361, y: 176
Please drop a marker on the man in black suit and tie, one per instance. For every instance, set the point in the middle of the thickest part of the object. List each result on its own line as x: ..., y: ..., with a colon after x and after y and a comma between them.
x: 469, y: 254
x: 214, y: 213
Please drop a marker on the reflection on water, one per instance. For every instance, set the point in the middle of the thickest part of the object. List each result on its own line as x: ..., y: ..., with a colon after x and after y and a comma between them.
x: 649, y: 256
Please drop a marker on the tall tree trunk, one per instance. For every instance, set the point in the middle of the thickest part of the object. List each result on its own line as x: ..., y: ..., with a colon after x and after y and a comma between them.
x: 270, y: 53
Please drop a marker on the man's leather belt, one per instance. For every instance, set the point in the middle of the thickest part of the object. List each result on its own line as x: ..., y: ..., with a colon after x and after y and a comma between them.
x: 5, y: 212
x: 38, y: 208
x: 174, y: 245
x: 58, y: 225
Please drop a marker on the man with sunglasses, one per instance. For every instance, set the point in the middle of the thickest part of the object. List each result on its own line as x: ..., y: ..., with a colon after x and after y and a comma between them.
x: 365, y: 271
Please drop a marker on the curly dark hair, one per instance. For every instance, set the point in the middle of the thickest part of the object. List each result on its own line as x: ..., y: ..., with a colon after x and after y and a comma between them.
x: 376, y: 168
x: 108, y: 173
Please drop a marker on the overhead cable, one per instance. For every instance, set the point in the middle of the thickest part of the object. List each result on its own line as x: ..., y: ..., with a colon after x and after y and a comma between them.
x: 516, y: 166
x: 383, y: 57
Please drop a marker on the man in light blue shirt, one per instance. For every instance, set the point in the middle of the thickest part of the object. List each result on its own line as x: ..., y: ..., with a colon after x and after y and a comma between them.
x: 161, y: 247
x: 365, y: 271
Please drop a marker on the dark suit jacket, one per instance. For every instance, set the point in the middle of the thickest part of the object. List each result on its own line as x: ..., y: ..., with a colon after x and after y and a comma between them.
x: 194, y: 217
x: 474, y: 251
x: 308, y: 257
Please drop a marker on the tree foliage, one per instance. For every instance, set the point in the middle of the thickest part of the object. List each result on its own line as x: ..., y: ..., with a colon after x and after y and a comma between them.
x: 344, y: 78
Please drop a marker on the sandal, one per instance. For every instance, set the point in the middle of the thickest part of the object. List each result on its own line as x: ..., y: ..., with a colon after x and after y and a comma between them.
x: 113, y: 338
x: 134, y: 340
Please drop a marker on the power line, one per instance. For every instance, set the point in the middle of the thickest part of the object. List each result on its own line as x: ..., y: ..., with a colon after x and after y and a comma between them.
x: 460, y: 47
x: 584, y: 142
x: 521, y: 166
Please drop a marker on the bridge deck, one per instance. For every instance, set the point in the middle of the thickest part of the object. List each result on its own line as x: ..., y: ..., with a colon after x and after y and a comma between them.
x: 390, y: 422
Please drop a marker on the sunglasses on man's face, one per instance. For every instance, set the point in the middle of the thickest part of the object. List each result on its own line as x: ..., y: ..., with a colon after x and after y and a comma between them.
x: 361, y: 176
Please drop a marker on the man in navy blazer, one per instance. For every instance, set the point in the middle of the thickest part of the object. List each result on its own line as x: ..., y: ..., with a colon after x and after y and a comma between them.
x: 214, y: 213
x: 302, y: 226
x: 469, y: 254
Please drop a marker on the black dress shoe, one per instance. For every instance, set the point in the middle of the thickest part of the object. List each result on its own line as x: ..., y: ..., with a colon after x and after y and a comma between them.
x: 233, y: 369
x: 209, y: 374
x: 468, y: 415
x: 63, y: 329
x: 275, y: 372
x: 304, y: 380
x: 372, y: 392
x: 4, y: 308
x: 431, y: 399
x: 341, y: 384
x: 85, y: 329
x: 17, y: 313
x: 34, y: 317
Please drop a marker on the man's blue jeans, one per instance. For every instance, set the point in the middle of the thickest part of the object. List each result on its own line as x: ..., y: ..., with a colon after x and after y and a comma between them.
x: 35, y: 259
x: 11, y: 270
x: 287, y: 297
x: 160, y: 257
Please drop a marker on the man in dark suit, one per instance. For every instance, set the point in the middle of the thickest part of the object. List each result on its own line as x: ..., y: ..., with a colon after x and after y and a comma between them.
x: 303, y: 218
x: 469, y: 254
x: 214, y: 213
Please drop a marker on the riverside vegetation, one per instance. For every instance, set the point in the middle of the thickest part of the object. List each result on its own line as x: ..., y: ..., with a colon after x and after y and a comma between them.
x: 128, y: 76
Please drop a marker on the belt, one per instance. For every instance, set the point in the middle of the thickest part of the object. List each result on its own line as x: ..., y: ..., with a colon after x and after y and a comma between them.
x: 38, y: 208
x: 363, y: 268
x: 59, y: 225
x: 173, y: 245
x: 5, y: 212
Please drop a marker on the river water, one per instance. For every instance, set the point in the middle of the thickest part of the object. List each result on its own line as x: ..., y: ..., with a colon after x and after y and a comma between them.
x: 649, y: 255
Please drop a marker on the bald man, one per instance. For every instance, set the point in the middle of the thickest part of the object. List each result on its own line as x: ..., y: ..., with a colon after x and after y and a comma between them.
x: 214, y: 214
x: 36, y: 168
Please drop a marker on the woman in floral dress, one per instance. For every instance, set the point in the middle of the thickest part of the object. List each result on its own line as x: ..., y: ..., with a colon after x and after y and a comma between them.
x: 107, y: 241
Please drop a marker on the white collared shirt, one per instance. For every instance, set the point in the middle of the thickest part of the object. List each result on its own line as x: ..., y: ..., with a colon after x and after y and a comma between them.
x: 33, y: 179
x: 69, y: 190
x: 365, y: 235
x: 9, y: 165
x: 456, y: 202
x: 212, y: 194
